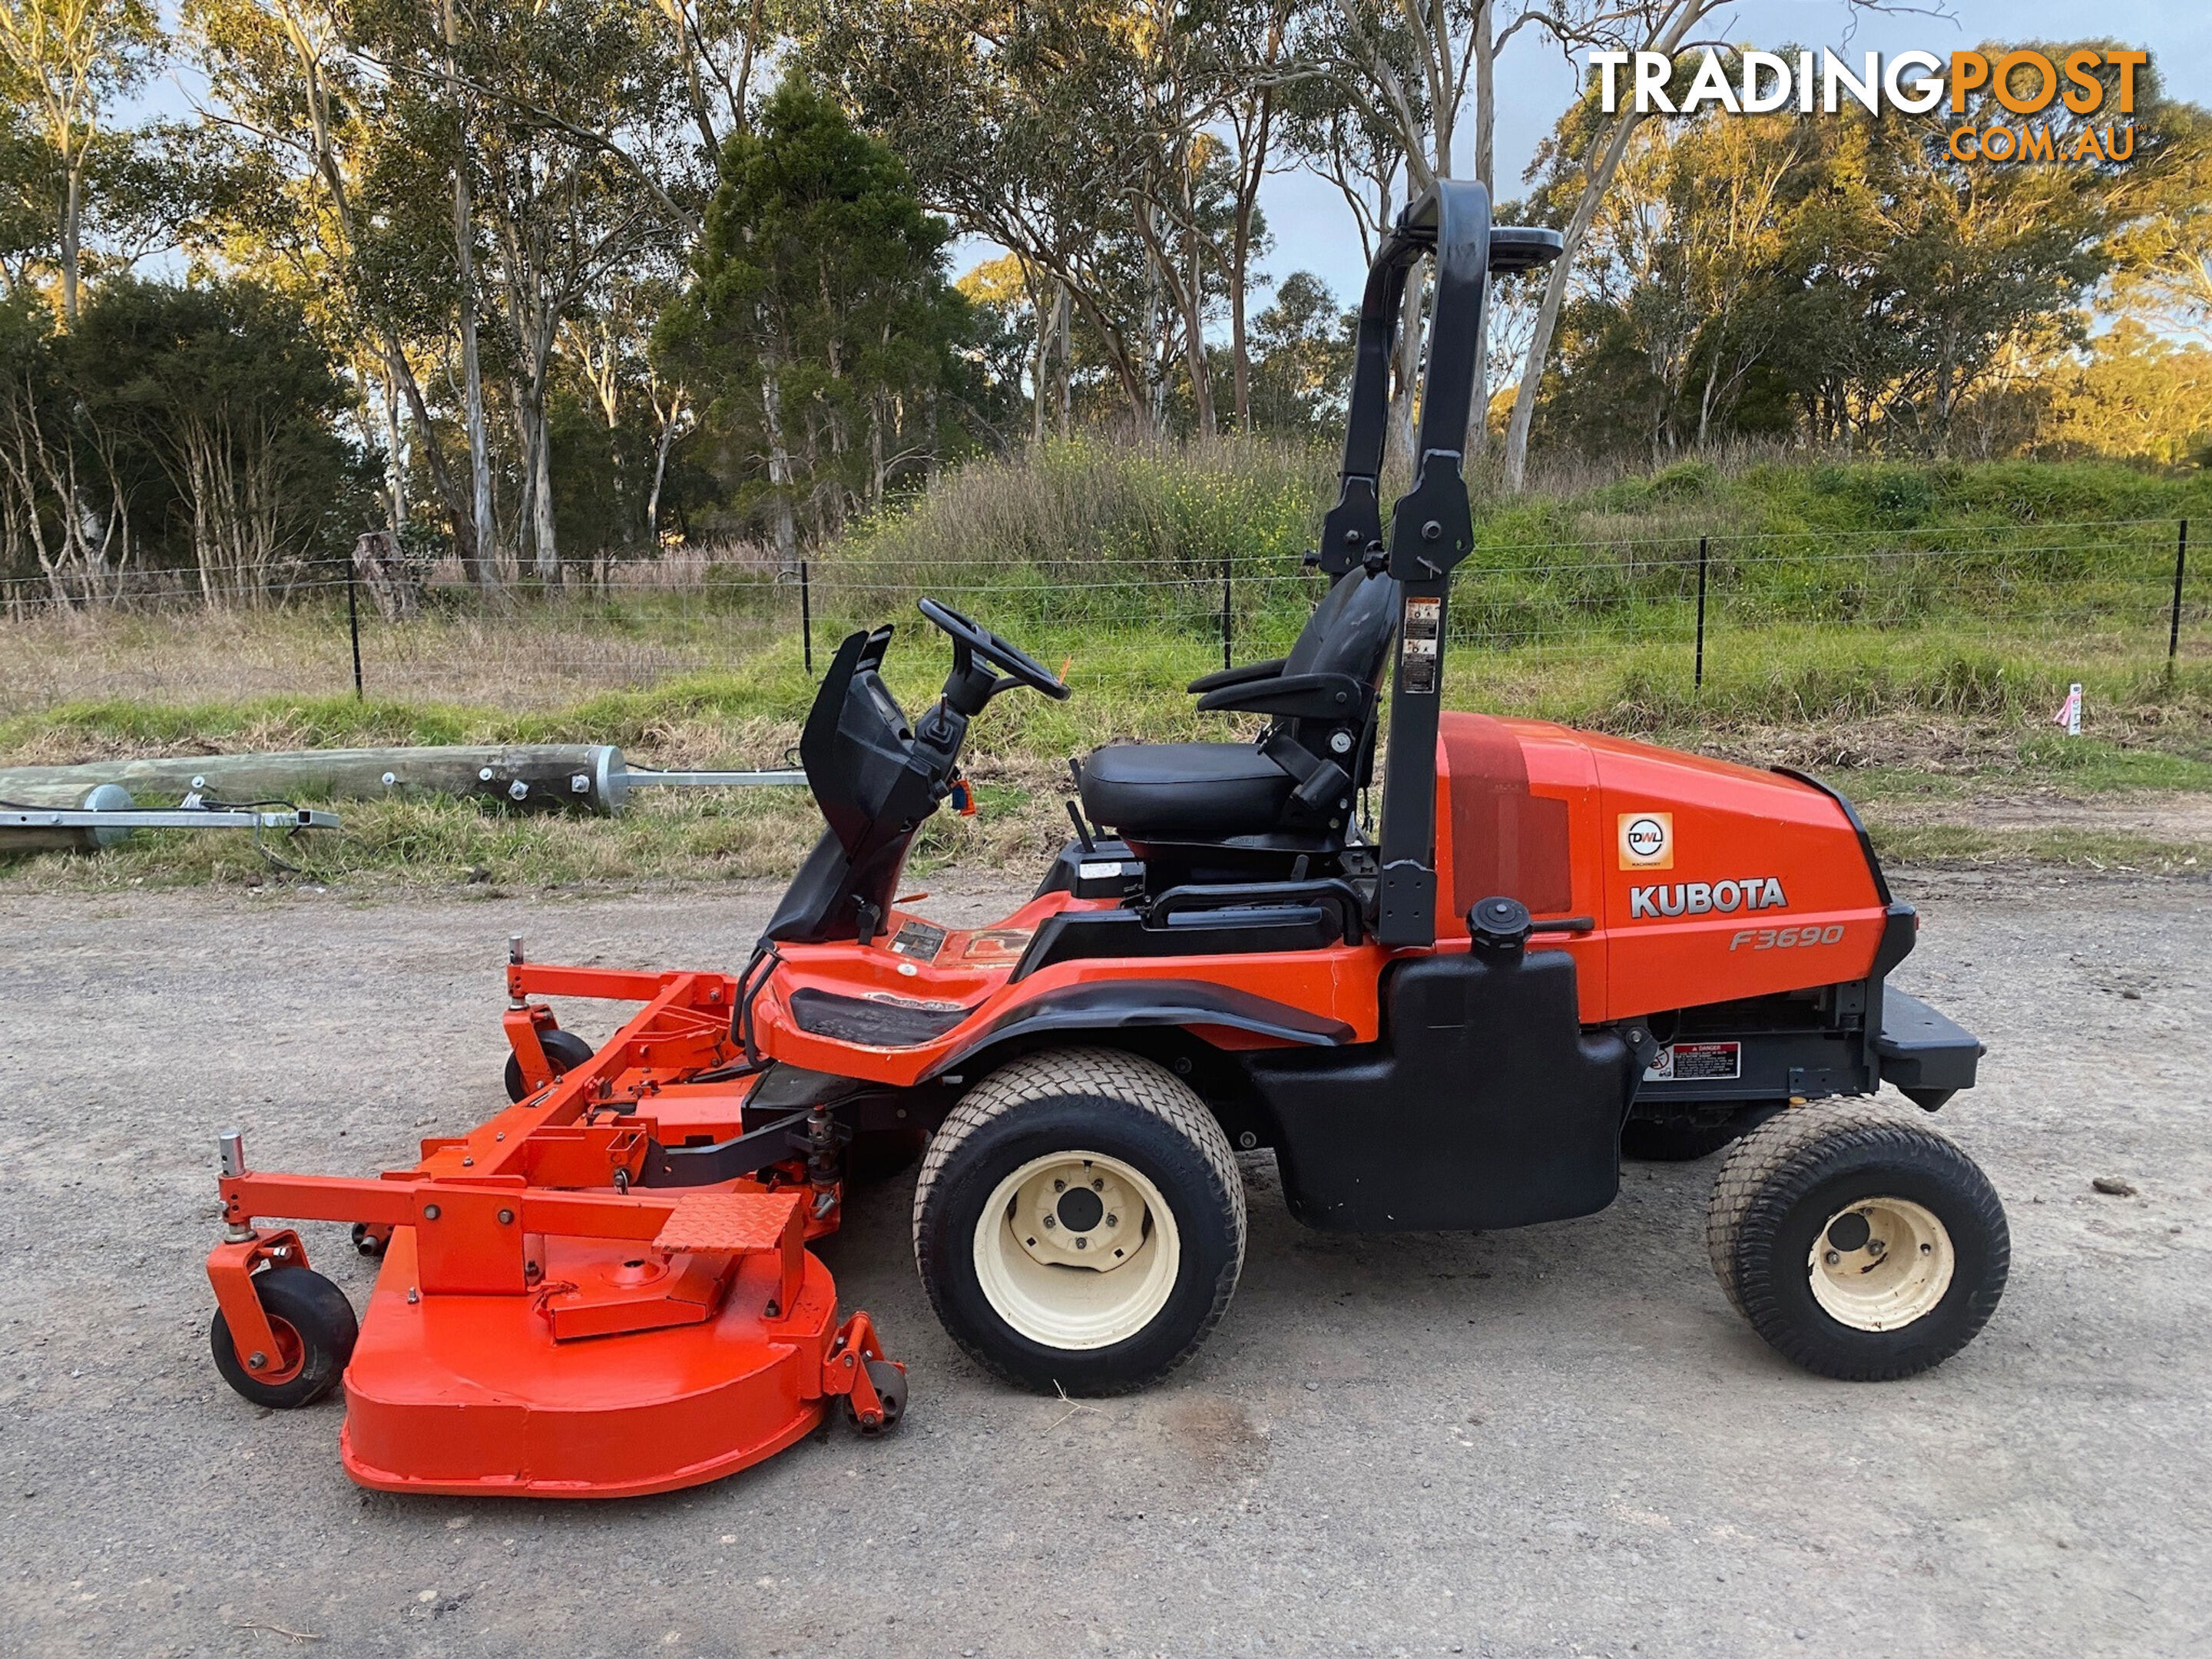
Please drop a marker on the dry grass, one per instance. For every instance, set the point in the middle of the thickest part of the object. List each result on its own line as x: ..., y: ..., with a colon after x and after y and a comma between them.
x: 534, y: 656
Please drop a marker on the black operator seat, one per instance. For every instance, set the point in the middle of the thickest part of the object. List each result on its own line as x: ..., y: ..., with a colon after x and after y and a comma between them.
x: 1293, y: 785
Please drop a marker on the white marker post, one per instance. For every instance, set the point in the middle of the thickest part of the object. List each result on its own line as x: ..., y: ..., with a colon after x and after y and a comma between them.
x: 2069, y: 712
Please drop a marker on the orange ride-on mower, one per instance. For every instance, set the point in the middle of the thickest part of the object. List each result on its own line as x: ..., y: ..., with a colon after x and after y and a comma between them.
x: 1556, y: 940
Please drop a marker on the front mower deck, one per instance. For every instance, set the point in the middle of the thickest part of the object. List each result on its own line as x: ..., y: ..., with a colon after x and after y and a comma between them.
x: 544, y: 1324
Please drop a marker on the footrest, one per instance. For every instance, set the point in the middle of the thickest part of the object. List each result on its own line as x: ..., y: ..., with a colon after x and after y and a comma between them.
x: 739, y: 1223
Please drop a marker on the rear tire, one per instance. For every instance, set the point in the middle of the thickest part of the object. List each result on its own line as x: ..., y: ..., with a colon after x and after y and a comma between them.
x: 1060, y: 1161
x: 1685, y: 1133
x: 316, y: 1331
x: 1861, y: 1246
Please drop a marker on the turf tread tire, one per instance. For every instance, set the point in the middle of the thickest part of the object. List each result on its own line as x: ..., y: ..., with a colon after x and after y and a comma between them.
x: 1782, y: 1164
x: 1104, y: 1075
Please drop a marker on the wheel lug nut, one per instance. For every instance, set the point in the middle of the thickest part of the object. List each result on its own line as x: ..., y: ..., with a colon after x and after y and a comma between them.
x: 1050, y: 1222
x: 256, y: 1360
x: 1831, y: 1257
x: 1082, y: 1243
x: 1060, y: 1186
x: 1113, y: 1220
x: 1098, y: 1186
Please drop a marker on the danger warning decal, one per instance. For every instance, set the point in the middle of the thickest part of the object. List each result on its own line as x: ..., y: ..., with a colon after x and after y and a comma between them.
x: 1417, y: 657
x: 1696, y: 1062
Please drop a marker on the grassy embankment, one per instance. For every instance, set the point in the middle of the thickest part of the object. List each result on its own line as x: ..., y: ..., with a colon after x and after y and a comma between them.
x: 1906, y: 629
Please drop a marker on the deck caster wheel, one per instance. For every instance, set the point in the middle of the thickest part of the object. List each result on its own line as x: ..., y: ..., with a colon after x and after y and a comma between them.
x: 1861, y: 1246
x: 1682, y: 1134
x: 890, y: 1384
x: 370, y: 1241
x: 1079, y: 1222
x: 565, y: 1050
x: 315, y: 1333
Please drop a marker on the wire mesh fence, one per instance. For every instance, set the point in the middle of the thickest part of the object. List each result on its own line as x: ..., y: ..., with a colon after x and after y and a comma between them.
x: 2110, y: 590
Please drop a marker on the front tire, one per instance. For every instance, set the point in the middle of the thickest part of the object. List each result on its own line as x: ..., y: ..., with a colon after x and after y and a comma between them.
x: 1863, y: 1246
x: 1079, y: 1222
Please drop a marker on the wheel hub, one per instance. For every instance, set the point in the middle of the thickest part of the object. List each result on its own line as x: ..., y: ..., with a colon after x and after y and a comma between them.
x: 1881, y: 1263
x: 1079, y: 1212
x: 1077, y: 1250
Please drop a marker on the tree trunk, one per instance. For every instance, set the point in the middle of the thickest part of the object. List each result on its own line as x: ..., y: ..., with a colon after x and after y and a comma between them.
x: 544, y: 535
x: 486, y: 573
x: 1240, y: 262
x: 660, y: 466
x: 1486, y: 97
x: 395, y: 464
x: 1064, y: 355
x: 1047, y: 317
x: 1398, y: 434
x: 449, y: 491
x: 779, y: 472
x: 1555, y: 295
x: 72, y: 235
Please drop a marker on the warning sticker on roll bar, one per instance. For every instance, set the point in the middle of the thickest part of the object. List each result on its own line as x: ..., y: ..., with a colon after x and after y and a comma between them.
x: 1696, y: 1062
x: 1418, y: 657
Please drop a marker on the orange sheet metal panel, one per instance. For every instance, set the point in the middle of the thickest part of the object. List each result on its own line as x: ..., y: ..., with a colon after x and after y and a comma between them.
x: 1721, y: 882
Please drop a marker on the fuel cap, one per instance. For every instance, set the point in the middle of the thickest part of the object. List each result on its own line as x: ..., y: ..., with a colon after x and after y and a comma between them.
x: 1500, y: 924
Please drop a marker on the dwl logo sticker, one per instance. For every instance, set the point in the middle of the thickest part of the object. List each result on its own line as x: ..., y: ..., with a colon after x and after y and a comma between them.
x: 1647, y: 840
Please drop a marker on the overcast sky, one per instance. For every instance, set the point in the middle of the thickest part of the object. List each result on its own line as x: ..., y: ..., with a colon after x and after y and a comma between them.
x: 1313, y: 229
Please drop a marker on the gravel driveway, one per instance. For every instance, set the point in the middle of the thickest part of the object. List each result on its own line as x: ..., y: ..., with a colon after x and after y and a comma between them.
x: 1556, y: 1440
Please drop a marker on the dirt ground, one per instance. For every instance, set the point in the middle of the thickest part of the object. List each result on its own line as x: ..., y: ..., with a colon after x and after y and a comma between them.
x: 1556, y: 1440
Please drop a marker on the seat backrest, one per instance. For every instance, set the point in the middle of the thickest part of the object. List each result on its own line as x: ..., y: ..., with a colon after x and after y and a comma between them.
x: 1350, y: 631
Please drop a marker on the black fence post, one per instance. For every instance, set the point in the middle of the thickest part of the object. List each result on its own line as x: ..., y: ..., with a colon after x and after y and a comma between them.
x: 806, y: 617
x: 353, y: 624
x: 2174, y: 628
x: 1700, y: 683
x: 1225, y: 610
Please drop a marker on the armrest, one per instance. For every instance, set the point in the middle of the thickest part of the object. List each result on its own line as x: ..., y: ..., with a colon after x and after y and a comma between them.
x: 1223, y: 678
x: 1300, y: 696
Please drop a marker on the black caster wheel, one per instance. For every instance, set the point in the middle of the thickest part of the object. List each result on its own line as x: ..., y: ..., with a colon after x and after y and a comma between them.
x: 565, y: 1049
x: 315, y: 1332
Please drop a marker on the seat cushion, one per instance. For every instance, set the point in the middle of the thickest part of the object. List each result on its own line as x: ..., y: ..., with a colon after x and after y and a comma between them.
x: 1201, y: 792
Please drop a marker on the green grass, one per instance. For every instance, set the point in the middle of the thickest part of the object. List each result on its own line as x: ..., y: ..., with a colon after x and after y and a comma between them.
x: 1907, y: 629
x: 2082, y: 849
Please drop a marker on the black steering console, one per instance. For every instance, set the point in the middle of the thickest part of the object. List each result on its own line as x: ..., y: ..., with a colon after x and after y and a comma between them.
x: 976, y: 651
x: 876, y: 779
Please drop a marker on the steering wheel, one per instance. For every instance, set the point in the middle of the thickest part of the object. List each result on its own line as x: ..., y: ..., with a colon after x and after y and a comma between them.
x: 1017, y: 663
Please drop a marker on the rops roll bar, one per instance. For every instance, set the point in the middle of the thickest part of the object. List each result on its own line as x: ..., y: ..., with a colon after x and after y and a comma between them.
x: 1431, y: 530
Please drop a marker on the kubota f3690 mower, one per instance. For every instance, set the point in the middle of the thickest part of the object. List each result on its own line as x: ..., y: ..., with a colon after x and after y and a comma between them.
x: 1556, y: 940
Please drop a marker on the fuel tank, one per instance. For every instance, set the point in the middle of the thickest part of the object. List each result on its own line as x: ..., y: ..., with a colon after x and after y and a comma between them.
x: 1675, y: 880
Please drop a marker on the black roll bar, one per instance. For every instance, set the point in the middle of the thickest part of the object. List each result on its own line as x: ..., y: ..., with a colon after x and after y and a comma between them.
x: 1431, y: 529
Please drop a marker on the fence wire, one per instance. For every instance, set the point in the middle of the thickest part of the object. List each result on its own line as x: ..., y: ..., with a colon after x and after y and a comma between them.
x: 2118, y: 586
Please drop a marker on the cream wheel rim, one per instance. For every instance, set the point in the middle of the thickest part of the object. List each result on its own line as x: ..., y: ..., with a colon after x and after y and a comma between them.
x: 1881, y: 1263
x: 1077, y: 1250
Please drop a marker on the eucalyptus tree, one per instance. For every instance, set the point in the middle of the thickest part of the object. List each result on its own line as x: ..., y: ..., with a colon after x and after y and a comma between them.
x: 70, y: 65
